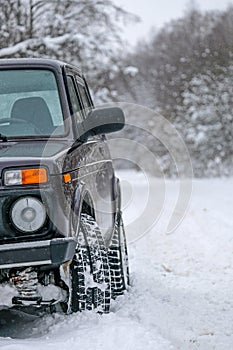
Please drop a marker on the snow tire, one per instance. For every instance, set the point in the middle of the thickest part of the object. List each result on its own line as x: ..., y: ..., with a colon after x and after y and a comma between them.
x: 118, y: 259
x: 89, y: 270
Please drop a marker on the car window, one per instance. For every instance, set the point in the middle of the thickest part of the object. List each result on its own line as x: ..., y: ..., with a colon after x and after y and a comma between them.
x: 76, y: 106
x: 86, y: 102
x: 30, y: 103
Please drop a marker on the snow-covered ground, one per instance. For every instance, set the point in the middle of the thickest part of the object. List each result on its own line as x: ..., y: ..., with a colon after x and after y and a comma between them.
x: 182, y: 283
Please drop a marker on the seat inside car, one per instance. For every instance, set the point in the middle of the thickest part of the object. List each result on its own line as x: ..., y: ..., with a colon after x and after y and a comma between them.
x: 34, y: 111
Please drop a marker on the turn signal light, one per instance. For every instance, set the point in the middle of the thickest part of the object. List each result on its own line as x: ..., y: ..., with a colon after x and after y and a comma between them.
x: 34, y: 176
x: 67, y: 178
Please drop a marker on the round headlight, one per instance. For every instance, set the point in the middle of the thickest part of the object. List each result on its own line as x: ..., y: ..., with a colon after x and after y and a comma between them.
x: 28, y: 214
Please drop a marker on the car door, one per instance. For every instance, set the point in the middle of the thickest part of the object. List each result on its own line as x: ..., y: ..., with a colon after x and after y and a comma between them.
x: 94, y: 163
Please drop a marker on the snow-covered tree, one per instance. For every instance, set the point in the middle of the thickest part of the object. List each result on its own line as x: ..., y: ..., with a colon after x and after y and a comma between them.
x: 184, y: 71
x: 208, y: 116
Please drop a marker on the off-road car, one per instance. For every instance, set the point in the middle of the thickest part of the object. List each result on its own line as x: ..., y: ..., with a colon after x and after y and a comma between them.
x: 62, y: 241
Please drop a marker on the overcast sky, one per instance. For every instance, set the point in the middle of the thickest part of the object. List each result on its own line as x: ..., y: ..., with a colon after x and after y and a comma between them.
x: 157, y: 12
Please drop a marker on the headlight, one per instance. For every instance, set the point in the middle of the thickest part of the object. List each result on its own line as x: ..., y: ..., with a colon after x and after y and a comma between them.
x: 28, y: 214
x: 25, y: 176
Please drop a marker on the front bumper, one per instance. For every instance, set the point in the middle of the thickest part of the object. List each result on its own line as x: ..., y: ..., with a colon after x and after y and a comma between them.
x: 49, y: 252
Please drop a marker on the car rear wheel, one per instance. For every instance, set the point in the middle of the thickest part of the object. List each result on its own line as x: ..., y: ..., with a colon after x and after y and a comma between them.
x: 89, y: 273
x: 118, y: 259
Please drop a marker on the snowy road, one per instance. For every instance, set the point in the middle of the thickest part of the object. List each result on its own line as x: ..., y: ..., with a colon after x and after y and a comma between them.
x: 182, y: 283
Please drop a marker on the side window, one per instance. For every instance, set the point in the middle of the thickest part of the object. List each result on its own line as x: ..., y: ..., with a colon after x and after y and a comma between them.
x: 83, y: 94
x: 76, y: 107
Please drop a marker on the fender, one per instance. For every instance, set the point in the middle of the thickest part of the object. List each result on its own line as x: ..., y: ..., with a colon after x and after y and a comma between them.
x: 76, y: 207
x: 81, y: 199
x: 117, y: 209
x: 117, y: 195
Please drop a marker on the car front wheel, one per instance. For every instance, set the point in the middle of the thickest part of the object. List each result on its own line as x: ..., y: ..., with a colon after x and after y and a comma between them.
x: 89, y: 272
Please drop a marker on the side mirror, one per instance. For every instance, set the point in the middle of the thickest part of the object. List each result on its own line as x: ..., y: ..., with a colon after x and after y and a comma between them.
x: 104, y: 121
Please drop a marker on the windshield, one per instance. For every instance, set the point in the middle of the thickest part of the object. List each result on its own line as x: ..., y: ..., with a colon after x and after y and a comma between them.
x: 29, y: 103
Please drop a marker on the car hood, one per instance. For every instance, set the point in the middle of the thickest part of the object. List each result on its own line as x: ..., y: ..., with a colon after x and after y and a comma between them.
x: 27, y: 153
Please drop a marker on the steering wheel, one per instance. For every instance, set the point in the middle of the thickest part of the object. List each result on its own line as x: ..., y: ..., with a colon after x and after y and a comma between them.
x: 19, y: 121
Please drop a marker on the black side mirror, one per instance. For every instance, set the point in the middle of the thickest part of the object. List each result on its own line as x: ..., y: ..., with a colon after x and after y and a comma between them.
x: 104, y: 121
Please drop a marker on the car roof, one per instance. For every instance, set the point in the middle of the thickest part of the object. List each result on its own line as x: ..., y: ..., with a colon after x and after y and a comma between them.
x: 36, y: 62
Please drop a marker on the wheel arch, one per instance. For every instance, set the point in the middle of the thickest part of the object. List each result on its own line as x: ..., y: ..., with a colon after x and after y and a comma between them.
x: 117, y: 195
x: 82, y: 203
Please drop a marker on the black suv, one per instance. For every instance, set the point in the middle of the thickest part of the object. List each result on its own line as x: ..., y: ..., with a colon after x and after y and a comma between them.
x: 62, y: 241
